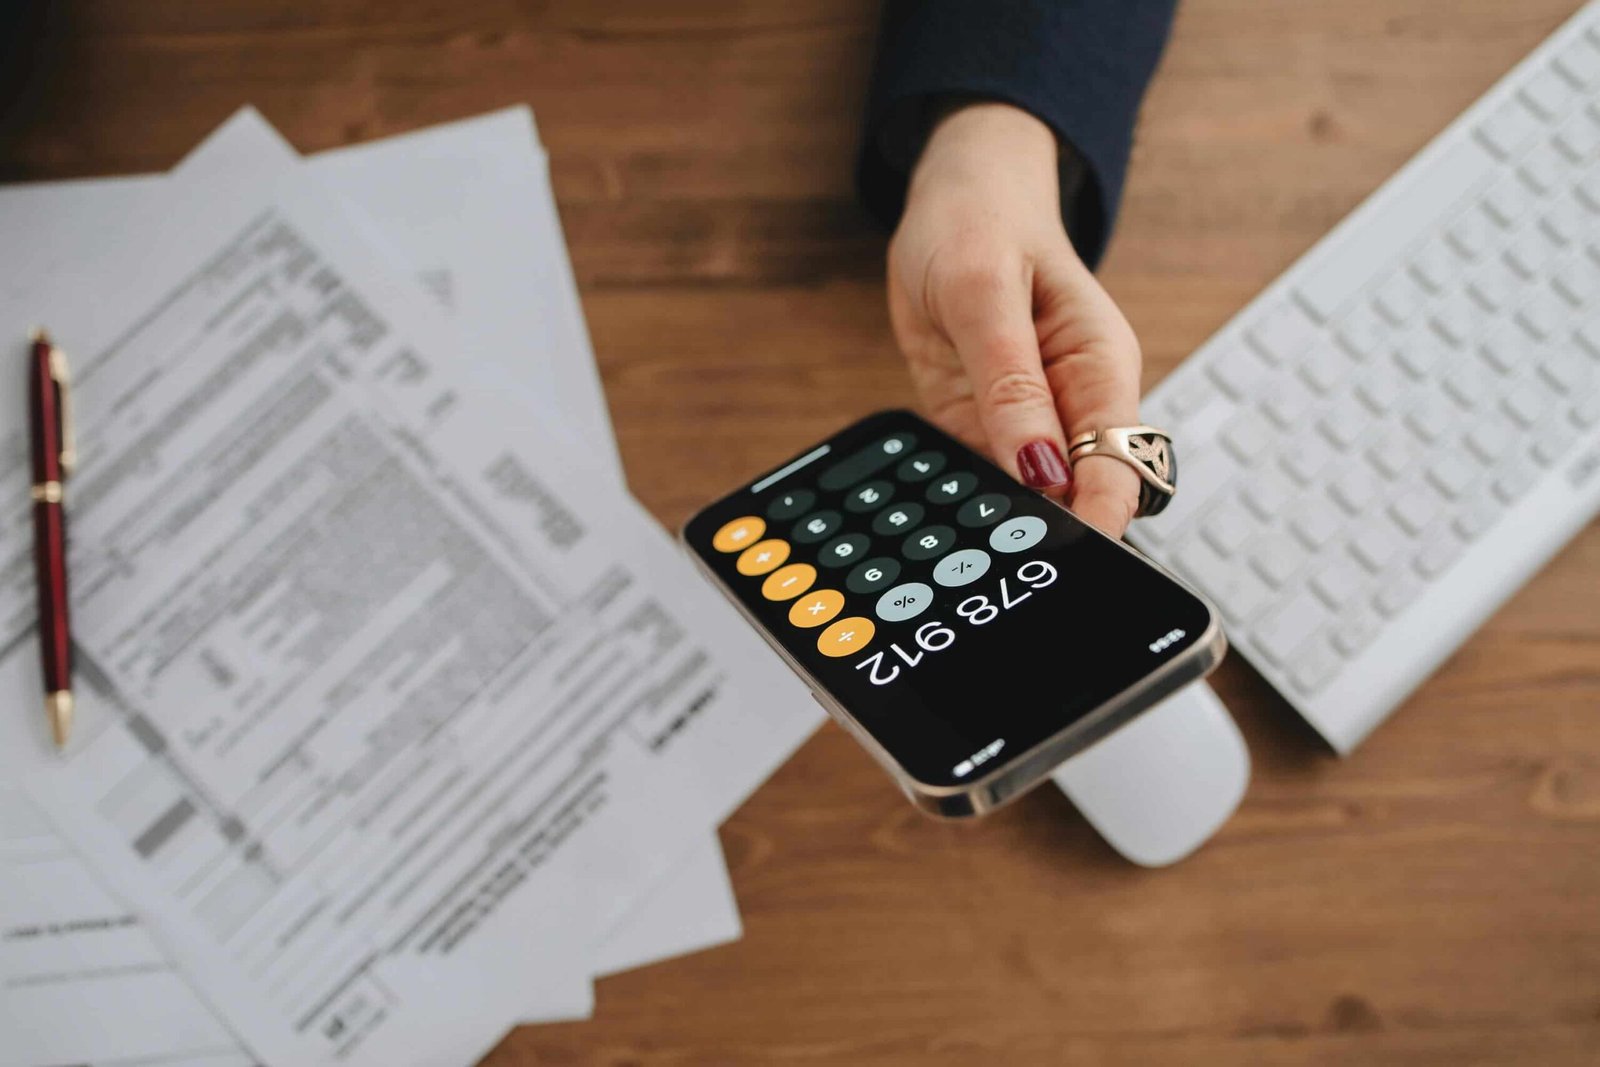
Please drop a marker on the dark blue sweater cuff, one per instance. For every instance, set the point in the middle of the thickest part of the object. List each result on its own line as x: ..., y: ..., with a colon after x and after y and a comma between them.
x: 1081, y: 66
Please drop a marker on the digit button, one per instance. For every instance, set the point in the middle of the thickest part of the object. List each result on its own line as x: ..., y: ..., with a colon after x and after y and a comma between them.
x: 868, y: 497
x: 873, y: 575
x: 929, y: 542
x: 952, y: 487
x: 813, y: 528
x: 843, y: 550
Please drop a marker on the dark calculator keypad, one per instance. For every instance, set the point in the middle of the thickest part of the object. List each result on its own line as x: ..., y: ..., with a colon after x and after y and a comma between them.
x: 874, y: 538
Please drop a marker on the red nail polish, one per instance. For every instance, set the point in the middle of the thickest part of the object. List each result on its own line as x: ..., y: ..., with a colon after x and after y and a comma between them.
x: 1041, y: 466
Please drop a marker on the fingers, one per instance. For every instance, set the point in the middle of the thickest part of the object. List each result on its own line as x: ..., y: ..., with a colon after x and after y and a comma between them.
x: 1092, y: 364
x: 988, y: 316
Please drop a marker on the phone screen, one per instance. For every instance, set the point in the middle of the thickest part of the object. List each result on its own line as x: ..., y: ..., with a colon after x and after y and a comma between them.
x: 959, y: 617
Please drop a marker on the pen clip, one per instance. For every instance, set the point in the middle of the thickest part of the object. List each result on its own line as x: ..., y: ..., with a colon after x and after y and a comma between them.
x: 63, y: 380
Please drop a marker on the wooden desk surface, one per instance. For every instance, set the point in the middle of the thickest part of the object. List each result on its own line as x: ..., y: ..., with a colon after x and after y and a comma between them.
x: 1434, y: 899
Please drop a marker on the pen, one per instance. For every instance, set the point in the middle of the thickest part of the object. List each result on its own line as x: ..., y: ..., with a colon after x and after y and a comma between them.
x: 50, y: 418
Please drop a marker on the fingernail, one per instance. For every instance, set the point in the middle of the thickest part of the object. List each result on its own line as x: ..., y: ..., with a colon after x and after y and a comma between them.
x: 1041, y: 466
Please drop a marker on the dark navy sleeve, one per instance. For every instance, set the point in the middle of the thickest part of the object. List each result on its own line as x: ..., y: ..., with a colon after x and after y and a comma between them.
x: 1081, y: 66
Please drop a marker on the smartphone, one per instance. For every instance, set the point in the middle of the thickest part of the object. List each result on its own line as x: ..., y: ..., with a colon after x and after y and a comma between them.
x: 969, y: 632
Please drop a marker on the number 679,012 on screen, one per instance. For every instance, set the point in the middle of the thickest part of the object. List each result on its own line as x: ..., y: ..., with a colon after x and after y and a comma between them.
x: 935, y: 636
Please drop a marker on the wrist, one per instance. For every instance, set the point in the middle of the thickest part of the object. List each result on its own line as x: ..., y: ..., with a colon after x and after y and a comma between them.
x: 971, y: 140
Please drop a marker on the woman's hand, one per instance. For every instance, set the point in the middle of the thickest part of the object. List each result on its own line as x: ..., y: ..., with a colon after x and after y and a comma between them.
x: 1013, y: 345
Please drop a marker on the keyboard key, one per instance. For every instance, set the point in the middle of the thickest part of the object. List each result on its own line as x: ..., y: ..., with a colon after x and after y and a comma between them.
x: 1579, y: 62
x: 1494, y: 284
x: 1314, y: 523
x: 1538, y: 315
x: 1506, y: 202
x: 1503, y: 348
x: 1239, y: 371
x: 1540, y: 169
x: 1238, y: 592
x: 1345, y: 423
x: 1565, y: 371
x: 1390, y: 452
x: 1577, y: 140
x: 1417, y: 356
x: 1189, y: 397
x: 1514, y: 480
x: 1450, y: 473
x: 1489, y: 440
x: 1433, y: 267
x: 1437, y: 555
x: 1588, y: 190
x: 1200, y: 477
x: 1399, y: 298
x: 1413, y: 511
x: 1508, y: 128
x: 1374, y: 547
x: 1547, y: 451
x: 1575, y: 281
x: 1562, y: 222
x: 1468, y: 385
x: 1276, y: 560
x: 1283, y: 334
x: 1457, y: 318
x: 1353, y: 490
x: 1336, y: 585
x: 1265, y: 493
x: 1381, y: 386
x: 1396, y: 592
x: 1354, y: 632
x: 1286, y: 402
x: 1428, y: 418
x: 1477, y: 515
x: 1525, y: 404
x: 1547, y: 93
x: 1409, y: 209
x: 1526, y: 253
x: 1586, y: 413
x: 1305, y: 461
x: 1314, y: 666
x: 1323, y: 368
x: 1469, y: 236
x: 1247, y: 437
x: 1588, y: 336
x: 1228, y: 530
x: 1282, y: 631
x: 1361, y: 332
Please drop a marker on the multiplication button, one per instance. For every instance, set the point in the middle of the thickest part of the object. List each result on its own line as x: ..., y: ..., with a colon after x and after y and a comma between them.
x: 961, y: 568
x: 843, y: 550
x: 873, y: 575
x: 928, y: 542
x: 904, y: 602
x: 814, y: 528
x: 952, y: 487
x: 791, y: 505
x: 898, y: 519
x: 985, y: 510
x: 846, y: 637
x: 817, y: 608
x: 920, y: 467
x: 868, y: 497
x: 1018, y: 534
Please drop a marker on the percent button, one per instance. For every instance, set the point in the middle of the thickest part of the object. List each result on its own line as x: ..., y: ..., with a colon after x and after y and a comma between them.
x: 961, y: 568
x: 905, y: 602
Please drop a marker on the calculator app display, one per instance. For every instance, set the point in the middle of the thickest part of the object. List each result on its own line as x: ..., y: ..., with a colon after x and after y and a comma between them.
x: 957, y: 616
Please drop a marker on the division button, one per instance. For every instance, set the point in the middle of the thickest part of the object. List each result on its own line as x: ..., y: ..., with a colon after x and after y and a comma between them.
x: 920, y: 467
x: 873, y: 575
x: 843, y: 550
x: 952, y: 487
x: 791, y: 505
x: 985, y: 510
x: 817, y: 608
x: 961, y: 568
x: 739, y: 534
x: 786, y: 583
x: 1018, y: 534
x: 846, y: 637
x: 928, y: 542
x: 898, y: 519
x: 763, y: 556
x: 904, y: 602
x: 868, y: 497
x: 814, y: 528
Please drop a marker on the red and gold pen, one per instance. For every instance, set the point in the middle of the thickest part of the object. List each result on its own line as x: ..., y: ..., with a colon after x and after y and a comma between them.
x: 50, y: 416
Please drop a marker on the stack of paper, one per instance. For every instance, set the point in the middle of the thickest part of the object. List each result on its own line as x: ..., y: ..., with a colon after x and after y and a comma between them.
x: 398, y: 719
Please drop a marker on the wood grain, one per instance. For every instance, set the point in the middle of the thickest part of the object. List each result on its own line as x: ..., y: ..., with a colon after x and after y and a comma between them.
x: 1434, y: 899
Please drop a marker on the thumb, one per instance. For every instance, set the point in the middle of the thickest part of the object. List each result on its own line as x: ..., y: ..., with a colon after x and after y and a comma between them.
x: 988, y: 317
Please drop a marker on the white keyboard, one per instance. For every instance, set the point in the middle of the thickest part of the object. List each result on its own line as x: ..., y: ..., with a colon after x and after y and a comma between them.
x: 1392, y: 438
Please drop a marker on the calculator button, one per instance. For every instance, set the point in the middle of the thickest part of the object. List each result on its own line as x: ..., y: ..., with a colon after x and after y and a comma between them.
x: 961, y: 568
x: 984, y: 510
x: 843, y: 550
x: 905, y: 602
x: 846, y: 637
x: 898, y: 519
x: 869, y: 460
x: 763, y: 556
x: 739, y: 534
x: 814, y: 528
x: 869, y: 497
x: 817, y: 608
x: 920, y: 467
x: 1018, y: 534
x: 952, y: 487
x: 928, y: 542
x: 873, y: 575
x: 791, y: 505
x: 786, y: 583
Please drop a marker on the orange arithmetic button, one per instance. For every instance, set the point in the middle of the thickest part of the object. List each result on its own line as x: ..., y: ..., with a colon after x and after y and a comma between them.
x: 786, y: 583
x: 846, y: 637
x: 739, y: 534
x: 816, y: 608
x: 763, y: 556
